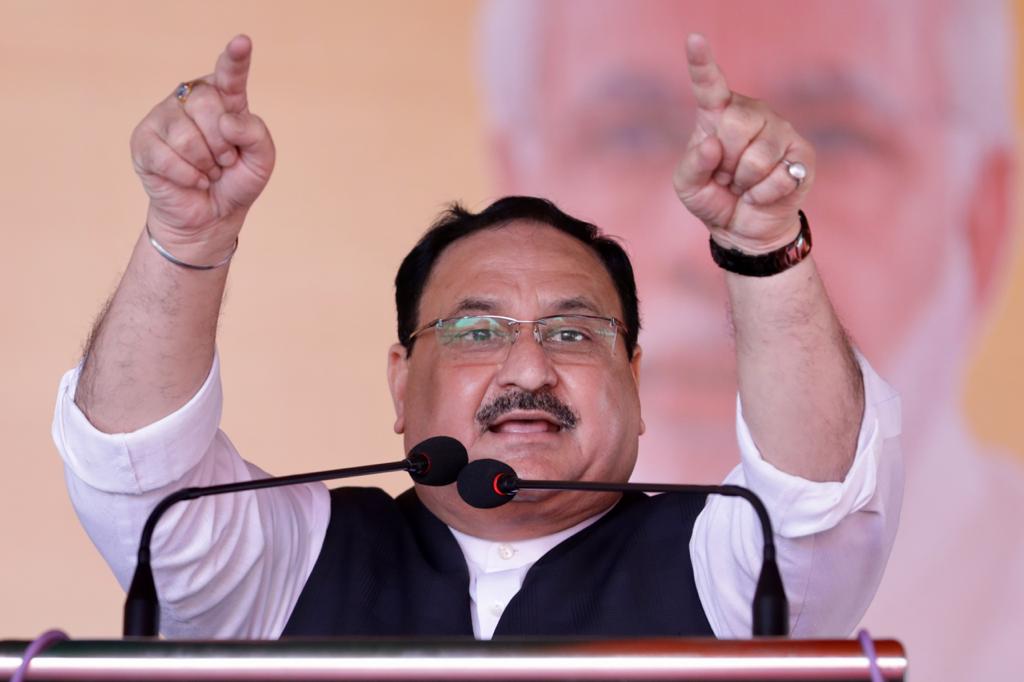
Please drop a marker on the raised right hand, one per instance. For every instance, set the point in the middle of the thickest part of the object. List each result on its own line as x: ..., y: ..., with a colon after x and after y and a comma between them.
x: 734, y: 175
x: 203, y: 162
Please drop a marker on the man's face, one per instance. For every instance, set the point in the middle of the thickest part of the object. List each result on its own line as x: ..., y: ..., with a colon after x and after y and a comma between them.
x: 524, y: 271
x: 609, y: 122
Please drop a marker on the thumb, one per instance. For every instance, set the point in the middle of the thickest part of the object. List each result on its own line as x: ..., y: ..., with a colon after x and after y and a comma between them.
x: 249, y: 133
x: 698, y: 164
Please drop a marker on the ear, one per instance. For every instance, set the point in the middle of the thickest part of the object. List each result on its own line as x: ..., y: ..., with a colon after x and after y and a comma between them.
x: 634, y: 367
x: 989, y: 222
x: 398, y: 372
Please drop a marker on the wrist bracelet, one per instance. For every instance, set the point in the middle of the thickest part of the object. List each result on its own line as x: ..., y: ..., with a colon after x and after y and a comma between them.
x: 765, y: 264
x: 167, y: 254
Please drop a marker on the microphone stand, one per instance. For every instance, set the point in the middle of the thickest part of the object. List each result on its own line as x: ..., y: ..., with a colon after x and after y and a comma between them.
x: 487, y: 483
x: 770, y: 607
x: 435, y: 461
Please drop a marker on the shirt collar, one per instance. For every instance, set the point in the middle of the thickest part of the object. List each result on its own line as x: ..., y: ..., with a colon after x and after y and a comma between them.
x: 489, y: 556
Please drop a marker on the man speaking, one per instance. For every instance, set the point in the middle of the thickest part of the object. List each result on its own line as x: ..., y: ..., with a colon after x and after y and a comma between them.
x: 518, y: 335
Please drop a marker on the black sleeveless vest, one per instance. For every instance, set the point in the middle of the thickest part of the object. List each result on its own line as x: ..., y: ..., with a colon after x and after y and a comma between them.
x: 389, y: 567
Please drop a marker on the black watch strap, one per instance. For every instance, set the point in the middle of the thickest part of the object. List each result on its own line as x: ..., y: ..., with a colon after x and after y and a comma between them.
x: 765, y: 264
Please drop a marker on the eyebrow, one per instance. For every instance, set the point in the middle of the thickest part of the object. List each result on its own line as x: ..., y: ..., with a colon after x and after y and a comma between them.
x: 486, y: 306
x: 473, y: 305
x: 633, y: 86
x: 576, y: 304
x: 815, y: 85
x: 840, y: 86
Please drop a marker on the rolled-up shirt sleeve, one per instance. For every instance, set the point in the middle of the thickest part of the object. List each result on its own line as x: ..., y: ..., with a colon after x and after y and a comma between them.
x: 832, y: 539
x: 228, y: 566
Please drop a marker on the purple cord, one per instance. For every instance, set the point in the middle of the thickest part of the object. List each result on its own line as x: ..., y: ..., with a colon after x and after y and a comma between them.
x: 867, y: 645
x: 36, y: 647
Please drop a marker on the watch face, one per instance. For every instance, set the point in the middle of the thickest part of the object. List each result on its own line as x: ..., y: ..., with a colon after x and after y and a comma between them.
x: 796, y: 251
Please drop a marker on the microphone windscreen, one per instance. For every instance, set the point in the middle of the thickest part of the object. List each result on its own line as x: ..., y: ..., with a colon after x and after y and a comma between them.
x: 439, y: 460
x: 478, y: 483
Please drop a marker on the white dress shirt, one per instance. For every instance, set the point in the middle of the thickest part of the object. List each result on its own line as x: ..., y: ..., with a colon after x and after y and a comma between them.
x: 233, y: 566
x: 497, y: 570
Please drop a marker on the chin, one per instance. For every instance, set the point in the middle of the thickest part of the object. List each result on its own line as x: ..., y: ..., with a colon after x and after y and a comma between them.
x: 533, y: 496
x: 526, y: 452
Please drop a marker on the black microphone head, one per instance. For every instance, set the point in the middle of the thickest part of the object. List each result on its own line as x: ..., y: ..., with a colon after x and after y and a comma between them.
x: 437, y: 460
x: 479, y: 483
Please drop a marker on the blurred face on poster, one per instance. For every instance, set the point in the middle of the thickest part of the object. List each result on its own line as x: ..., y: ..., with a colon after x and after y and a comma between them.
x: 591, y: 107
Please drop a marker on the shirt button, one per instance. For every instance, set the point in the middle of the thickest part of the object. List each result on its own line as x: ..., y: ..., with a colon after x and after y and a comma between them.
x: 497, y: 609
x: 506, y: 552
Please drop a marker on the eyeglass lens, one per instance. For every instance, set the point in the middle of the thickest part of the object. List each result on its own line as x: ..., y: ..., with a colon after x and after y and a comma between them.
x: 571, y: 337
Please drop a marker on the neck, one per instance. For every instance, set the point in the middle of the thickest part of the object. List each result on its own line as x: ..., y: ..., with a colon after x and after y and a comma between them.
x: 532, y: 514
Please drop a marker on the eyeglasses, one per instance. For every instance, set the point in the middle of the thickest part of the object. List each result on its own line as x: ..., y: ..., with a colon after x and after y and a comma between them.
x: 488, y: 338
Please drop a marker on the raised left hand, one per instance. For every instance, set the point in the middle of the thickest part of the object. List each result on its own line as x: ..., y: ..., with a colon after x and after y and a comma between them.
x: 733, y: 175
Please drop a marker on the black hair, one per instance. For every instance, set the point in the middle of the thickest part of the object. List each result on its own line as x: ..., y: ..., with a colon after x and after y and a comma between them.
x: 456, y: 222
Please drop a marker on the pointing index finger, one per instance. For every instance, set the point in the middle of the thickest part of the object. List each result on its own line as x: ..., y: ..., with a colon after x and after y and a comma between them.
x: 709, y: 85
x: 232, y: 72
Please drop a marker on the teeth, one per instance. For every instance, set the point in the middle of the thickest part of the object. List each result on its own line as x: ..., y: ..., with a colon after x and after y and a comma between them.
x: 524, y: 426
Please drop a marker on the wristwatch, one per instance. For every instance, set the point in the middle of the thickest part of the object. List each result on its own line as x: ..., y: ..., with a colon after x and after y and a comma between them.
x: 765, y: 264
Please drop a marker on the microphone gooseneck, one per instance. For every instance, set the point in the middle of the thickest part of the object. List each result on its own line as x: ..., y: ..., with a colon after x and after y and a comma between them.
x: 488, y: 483
x: 435, y: 461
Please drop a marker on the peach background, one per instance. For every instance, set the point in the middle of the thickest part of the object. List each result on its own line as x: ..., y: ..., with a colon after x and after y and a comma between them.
x: 374, y: 110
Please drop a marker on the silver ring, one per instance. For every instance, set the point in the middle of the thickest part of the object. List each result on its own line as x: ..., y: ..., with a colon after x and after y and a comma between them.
x: 796, y: 170
x: 183, y: 90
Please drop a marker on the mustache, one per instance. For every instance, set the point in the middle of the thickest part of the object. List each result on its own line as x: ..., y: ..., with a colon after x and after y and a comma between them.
x: 524, y: 400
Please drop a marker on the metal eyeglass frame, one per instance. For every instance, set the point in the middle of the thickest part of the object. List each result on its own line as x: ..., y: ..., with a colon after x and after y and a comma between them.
x: 512, y: 322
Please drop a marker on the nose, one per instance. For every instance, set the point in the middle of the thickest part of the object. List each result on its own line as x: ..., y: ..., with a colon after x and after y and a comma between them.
x: 527, y: 366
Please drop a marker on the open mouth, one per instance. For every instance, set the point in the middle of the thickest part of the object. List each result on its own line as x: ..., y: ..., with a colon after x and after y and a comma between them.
x: 525, y: 423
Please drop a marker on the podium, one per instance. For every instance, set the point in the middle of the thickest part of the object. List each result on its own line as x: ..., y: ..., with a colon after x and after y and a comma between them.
x: 457, y: 659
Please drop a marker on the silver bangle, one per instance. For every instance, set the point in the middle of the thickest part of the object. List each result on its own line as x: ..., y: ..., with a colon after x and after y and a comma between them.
x: 167, y: 254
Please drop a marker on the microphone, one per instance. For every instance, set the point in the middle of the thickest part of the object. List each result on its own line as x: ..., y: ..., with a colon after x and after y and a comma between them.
x: 488, y: 483
x: 435, y: 461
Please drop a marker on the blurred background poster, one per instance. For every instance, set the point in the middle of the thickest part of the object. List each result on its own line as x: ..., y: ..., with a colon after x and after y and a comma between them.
x: 384, y: 112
